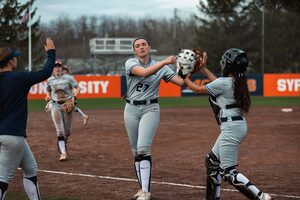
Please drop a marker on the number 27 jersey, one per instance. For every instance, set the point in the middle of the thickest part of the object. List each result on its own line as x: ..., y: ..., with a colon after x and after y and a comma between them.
x: 145, y: 88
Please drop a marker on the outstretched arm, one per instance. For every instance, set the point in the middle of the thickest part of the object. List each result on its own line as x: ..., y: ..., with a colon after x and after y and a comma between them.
x: 144, y: 72
x: 177, y: 81
x: 194, y: 87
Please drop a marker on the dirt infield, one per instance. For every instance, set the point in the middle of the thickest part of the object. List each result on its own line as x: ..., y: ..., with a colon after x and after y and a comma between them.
x: 100, y: 164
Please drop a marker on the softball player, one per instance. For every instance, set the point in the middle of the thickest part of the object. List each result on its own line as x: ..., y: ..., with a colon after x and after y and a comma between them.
x: 84, y: 116
x: 14, y: 149
x: 61, y: 88
x: 142, y: 111
x: 230, y: 99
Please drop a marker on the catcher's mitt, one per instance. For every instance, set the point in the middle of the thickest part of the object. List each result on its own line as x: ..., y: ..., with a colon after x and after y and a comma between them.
x: 68, y: 106
x: 198, y: 63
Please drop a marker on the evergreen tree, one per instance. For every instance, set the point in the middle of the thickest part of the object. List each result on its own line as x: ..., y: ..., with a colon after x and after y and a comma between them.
x: 14, y: 27
x: 238, y: 23
x: 224, y: 25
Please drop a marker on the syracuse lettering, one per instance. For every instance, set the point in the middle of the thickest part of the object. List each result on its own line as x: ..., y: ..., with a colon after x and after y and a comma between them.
x: 288, y: 85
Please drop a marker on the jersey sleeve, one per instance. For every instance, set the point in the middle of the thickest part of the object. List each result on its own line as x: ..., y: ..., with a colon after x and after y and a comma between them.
x: 48, y: 86
x: 130, y: 64
x: 168, y: 73
x: 72, y: 81
x: 216, y: 87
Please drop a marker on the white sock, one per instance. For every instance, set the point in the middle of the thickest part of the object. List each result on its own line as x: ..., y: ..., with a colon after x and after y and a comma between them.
x: 62, y: 146
x: 31, y: 189
x: 137, y: 170
x: 145, y: 171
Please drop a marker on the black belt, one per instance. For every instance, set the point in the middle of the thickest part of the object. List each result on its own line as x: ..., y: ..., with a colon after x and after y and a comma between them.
x: 59, y: 102
x: 235, y: 118
x: 142, y: 102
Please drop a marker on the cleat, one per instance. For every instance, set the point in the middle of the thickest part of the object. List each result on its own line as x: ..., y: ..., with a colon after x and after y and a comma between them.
x: 85, y: 120
x: 266, y: 196
x: 137, y: 195
x: 145, y: 196
x: 63, y: 157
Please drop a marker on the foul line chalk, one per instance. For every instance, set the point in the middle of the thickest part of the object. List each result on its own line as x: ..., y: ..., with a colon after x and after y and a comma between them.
x: 154, y: 182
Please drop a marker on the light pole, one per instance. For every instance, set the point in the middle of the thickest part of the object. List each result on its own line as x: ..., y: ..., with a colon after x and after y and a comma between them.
x: 263, y: 39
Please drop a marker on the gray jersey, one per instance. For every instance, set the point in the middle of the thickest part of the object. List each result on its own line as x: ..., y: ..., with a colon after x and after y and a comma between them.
x: 222, y: 89
x: 145, y: 88
x: 61, y: 87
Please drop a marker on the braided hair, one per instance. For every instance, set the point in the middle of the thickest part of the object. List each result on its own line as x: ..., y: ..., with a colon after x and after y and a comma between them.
x: 235, y: 62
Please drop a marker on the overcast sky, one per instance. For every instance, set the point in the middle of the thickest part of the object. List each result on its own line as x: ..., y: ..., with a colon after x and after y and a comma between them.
x: 51, y: 9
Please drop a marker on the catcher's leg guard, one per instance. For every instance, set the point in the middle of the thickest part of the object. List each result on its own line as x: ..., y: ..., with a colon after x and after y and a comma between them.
x: 241, y: 183
x: 213, y: 177
x: 3, y: 188
x: 145, y: 172
x: 61, y: 144
x: 31, y: 188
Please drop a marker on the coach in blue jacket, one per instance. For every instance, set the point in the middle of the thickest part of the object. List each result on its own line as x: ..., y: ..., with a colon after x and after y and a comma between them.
x: 14, y: 149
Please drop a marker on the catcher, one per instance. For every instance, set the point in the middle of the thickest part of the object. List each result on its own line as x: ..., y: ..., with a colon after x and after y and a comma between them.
x: 230, y: 100
x: 62, y: 91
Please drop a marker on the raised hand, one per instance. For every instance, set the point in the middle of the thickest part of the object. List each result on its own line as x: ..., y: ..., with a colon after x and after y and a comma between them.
x: 49, y: 44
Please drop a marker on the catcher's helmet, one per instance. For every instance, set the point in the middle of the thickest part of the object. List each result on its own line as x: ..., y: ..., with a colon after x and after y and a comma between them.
x: 234, y: 60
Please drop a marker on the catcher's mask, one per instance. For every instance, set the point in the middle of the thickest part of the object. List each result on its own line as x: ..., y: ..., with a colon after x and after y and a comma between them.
x: 186, y: 61
x: 234, y: 61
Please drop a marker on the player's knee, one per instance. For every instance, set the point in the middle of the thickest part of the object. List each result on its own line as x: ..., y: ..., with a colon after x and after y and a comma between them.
x: 30, y: 171
x: 60, y: 134
x: 212, y: 163
x: 230, y: 174
x: 144, y: 151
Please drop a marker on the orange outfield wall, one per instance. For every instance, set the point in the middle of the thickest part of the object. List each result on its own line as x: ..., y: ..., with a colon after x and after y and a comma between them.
x: 91, y: 87
x: 169, y: 90
x: 102, y: 87
x: 281, y: 85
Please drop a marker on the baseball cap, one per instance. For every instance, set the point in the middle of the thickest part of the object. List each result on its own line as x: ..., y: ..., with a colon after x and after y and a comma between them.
x: 6, y: 54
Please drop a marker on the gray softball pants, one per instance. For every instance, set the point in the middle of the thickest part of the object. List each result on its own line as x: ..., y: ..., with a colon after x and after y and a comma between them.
x: 15, y: 152
x: 61, y: 120
x: 141, y: 123
x: 227, y: 145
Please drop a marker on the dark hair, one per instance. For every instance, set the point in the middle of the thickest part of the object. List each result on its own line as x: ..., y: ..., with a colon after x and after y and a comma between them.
x: 138, y: 38
x: 6, y: 54
x: 235, y: 62
x: 241, y: 92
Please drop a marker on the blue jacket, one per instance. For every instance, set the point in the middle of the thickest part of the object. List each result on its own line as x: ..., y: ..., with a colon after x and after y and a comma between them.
x: 14, y: 88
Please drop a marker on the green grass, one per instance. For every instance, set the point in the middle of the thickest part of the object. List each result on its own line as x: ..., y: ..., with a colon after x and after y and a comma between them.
x: 17, y: 195
x: 196, y: 101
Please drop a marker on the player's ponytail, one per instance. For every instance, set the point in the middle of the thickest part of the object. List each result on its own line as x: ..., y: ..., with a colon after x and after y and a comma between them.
x: 241, y: 92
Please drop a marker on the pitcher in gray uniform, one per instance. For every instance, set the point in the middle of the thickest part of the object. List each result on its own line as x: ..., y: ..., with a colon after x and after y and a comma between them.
x: 60, y: 88
x: 142, y: 111
x: 230, y: 99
